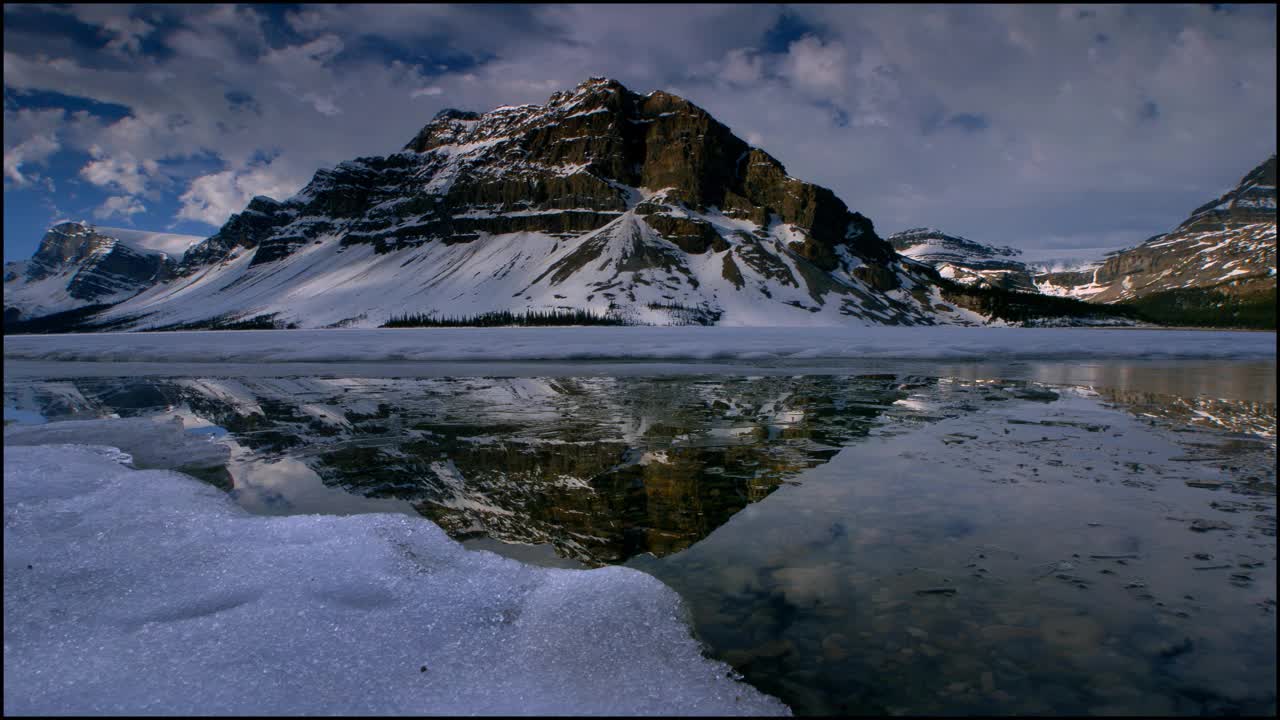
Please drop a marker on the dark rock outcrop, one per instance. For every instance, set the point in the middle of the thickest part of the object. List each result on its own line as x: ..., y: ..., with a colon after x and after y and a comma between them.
x: 512, y: 169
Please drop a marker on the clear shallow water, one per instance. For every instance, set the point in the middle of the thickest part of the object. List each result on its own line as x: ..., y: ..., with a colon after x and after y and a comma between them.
x: 1087, y: 538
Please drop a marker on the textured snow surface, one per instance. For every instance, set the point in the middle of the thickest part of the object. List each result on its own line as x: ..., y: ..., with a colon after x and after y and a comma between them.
x: 638, y: 343
x: 131, y: 591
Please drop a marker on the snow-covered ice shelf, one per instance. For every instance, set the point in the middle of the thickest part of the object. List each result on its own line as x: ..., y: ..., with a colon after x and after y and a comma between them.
x: 148, y: 592
x: 640, y: 343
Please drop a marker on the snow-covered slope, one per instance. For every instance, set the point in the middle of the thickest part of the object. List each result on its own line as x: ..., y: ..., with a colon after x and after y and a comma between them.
x: 642, y: 207
x: 623, y: 268
x: 965, y: 261
x: 76, y: 265
x: 1228, y: 244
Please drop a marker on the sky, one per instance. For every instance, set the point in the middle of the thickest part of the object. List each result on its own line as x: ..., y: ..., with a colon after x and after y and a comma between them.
x: 1061, y: 130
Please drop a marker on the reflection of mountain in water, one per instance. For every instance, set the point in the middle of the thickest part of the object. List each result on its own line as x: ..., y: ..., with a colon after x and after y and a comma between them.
x: 1237, y: 416
x: 603, y: 468
x: 613, y: 468
x: 1248, y: 448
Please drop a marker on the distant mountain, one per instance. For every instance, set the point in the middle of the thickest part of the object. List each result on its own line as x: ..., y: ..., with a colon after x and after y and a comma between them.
x: 77, y: 266
x: 639, y: 207
x: 965, y: 261
x: 1222, y: 256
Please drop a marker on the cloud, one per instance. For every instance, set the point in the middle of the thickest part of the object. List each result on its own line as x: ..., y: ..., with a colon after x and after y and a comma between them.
x: 213, y: 198
x: 126, y: 33
x: 743, y: 66
x: 323, y: 105
x: 969, y: 122
x: 33, y: 150
x: 814, y: 65
x: 120, y: 172
x: 30, y: 138
x: 119, y: 206
x: 1035, y: 122
x: 172, y: 244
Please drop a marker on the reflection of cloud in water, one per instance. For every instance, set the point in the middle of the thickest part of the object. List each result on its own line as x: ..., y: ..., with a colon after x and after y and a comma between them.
x: 289, y: 487
x: 812, y: 584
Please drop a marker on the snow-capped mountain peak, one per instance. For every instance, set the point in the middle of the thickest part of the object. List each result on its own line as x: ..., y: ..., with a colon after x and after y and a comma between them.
x: 642, y: 207
x: 77, y: 265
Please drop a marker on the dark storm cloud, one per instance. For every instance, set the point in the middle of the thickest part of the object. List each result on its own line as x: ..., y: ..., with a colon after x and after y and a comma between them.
x: 938, y: 120
x: 970, y: 122
x: 1036, y: 126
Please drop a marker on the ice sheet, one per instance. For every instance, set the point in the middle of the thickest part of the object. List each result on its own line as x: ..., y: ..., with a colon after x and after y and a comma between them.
x: 640, y: 343
x: 131, y: 591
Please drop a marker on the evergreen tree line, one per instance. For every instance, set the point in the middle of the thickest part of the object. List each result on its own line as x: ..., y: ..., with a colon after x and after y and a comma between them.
x: 1014, y: 306
x: 1198, y: 307
x: 506, y: 318
x: 684, y: 315
x: 67, y: 321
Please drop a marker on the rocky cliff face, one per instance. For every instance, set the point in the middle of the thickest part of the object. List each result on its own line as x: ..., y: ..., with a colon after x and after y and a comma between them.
x: 1227, y: 245
x: 965, y: 261
x: 642, y: 207
x: 76, y: 266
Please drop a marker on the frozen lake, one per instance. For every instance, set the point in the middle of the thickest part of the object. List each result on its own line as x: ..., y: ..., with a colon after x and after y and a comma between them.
x: 883, y: 532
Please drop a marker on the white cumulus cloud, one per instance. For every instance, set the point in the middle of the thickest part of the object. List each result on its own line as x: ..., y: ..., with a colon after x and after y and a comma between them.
x: 121, y: 172
x: 119, y: 206
x: 215, y: 197
x: 30, y: 138
x: 815, y: 65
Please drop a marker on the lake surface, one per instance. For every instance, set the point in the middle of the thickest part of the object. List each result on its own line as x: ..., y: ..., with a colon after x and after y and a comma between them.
x: 903, y: 538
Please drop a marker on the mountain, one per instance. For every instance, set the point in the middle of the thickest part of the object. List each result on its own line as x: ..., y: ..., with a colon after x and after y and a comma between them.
x: 77, y: 266
x: 1222, y: 256
x: 642, y: 208
x: 965, y: 261
x: 602, y: 205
